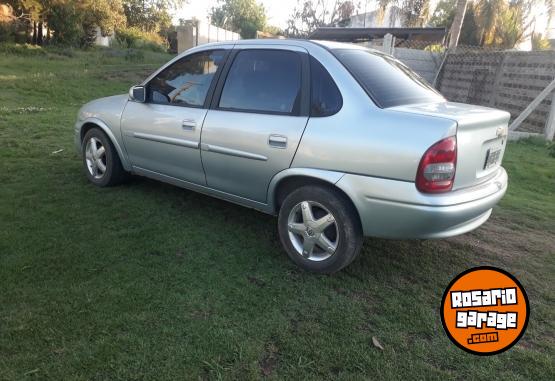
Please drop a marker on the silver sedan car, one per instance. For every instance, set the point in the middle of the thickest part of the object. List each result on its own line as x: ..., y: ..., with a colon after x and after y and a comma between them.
x: 339, y: 141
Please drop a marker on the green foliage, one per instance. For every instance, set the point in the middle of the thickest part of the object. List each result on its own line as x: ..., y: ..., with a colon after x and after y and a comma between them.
x: 149, y: 15
x: 551, y: 150
x: 134, y: 55
x: 539, y: 42
x: 133, y: 37
x: 496, y: 23
x: 435, y: 48
x: 470, y: 29
x: 24, y: 50
x: 309, y: 15
x: 276, y: 31
x: 443, y: 14
x: 241, y: 16
x: 7, y: 31
x: 75, y: 22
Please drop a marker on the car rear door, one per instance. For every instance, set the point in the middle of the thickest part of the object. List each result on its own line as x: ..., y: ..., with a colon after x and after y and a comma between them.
x: 162, y: 135
x: 256, y: 119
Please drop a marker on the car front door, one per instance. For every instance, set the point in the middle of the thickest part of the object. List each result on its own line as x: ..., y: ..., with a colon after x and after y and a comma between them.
x: 162, y: 135
x: 256, y: 120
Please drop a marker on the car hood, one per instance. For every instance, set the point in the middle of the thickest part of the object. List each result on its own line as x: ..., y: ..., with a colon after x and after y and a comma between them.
x: 108, y: 109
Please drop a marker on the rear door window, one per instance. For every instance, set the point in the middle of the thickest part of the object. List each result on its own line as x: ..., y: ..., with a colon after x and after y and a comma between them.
x: 267, y: 81
x: 388, y: 82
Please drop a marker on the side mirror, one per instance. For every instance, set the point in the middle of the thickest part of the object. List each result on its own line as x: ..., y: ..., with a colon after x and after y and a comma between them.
x: 138, y: 94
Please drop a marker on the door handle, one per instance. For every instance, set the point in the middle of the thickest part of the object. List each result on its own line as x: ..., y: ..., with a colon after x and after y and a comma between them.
x: 277, y: 141
x: 188, y: 124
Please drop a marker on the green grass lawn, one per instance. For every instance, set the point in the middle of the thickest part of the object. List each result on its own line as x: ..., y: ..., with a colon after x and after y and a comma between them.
x: 147, y: 281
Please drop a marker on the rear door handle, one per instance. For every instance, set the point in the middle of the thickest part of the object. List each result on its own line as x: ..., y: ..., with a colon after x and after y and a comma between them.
x: 277, y: 141
x: 188, y: 124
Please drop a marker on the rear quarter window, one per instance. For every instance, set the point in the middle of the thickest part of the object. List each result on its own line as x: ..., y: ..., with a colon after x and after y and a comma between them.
x: 325, y: 98
x: 387, y: 81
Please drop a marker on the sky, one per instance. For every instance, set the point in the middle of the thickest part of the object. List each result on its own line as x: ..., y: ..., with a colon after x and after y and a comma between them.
x: 278, y: 11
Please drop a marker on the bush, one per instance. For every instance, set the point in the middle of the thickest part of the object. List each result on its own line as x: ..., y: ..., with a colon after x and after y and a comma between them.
x: 7, y: 31
x: 60, y: 50
x: 134, y: 55
x: 551, y: 149
x: 25, y: 50
x: 135, y: 38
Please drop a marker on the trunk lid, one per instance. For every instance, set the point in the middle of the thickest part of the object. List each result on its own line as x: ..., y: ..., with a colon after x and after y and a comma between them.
x: 481, y: 137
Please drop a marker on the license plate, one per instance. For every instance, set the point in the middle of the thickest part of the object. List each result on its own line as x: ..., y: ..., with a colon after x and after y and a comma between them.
x: 492, y: 157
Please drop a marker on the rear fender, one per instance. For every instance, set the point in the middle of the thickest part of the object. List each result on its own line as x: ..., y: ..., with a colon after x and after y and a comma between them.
x: 330, y: 177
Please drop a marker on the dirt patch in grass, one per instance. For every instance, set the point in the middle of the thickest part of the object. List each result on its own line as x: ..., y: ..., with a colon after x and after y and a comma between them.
x: 269, y: 360
x: 506, y: 241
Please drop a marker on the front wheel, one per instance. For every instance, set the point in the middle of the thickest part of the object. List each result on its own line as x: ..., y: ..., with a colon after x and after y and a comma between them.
x: 100, y: 159
x: 319, y: 229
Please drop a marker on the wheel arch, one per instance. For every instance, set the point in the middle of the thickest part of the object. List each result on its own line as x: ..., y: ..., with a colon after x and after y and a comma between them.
x: 90, y: 123
x: 284, y: 182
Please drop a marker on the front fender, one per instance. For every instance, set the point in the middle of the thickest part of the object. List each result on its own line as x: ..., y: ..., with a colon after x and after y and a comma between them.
x: 104, y: 127
x: 331, y: 177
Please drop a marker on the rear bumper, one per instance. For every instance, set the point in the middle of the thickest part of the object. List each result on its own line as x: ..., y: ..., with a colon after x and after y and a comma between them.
x: 396, y: 209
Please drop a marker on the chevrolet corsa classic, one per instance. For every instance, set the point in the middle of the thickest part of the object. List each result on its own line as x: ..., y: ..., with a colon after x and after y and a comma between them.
x: 339, y: 141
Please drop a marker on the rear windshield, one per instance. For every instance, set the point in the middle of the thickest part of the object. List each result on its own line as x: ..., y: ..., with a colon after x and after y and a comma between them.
x: 388, y: 82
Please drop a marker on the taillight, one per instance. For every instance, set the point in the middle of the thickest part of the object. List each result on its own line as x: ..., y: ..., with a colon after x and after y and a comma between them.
x: 436, y: 171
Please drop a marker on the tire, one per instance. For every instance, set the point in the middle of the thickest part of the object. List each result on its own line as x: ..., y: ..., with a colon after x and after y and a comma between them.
x: 300, y: 230
x: 102, y: 168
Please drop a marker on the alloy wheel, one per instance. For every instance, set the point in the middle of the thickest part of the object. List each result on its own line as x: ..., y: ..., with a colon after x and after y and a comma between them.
x: 313, y: 231
x: 95, y: 156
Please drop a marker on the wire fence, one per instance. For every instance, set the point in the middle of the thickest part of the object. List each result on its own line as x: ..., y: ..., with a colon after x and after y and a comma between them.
x: 505, y: 79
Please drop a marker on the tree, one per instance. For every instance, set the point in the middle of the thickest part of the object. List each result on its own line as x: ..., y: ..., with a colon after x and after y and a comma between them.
x: 72, y: 22
x: 539, y: 42
x: 150, y: 15
x: 75, y: 22
x: 30, y: 13
x: 411, y: 13
x: 309, y: 15
x: 241, y: 16
x: 444, y: 13
x: 495, y: 23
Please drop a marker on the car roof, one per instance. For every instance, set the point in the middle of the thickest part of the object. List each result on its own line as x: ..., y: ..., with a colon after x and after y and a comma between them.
x: 308, y: 44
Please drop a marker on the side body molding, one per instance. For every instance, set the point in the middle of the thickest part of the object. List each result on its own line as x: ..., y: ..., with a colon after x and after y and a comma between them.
x: 331, y: 177
x: 121, y: 152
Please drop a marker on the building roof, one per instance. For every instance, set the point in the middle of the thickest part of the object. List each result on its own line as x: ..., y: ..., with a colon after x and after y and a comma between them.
x: 368, y: 34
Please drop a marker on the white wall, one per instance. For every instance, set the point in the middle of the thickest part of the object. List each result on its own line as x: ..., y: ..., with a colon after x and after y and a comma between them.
x: 198, y: 33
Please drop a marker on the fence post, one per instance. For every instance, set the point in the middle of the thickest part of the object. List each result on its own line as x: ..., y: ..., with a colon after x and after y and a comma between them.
x: 550, y: 122
x: 497, y: 81
x: 435, y: 84
x: 388, y: 43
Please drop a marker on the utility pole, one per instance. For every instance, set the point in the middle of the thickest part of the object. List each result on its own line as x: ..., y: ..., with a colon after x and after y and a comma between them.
x: 456, y: 27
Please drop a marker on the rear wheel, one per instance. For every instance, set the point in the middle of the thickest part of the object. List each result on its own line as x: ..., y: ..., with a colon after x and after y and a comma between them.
x: 100, y: 159
x: 319, y: 228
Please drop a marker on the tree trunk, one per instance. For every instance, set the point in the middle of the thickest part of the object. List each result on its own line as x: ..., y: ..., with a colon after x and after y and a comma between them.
x: 34, y: 38
x: 40, y: 35
x: 550, y: 32
x: 456, y: 27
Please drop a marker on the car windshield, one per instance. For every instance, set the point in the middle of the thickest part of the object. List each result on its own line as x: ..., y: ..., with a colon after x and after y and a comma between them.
x: 387, y: 81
